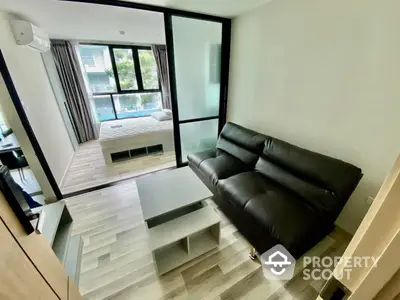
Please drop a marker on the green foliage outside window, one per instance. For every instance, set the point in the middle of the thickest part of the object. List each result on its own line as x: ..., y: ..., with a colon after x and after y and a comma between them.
x: 127, y: 76
x: 126, y: 69
x: 149, y: 69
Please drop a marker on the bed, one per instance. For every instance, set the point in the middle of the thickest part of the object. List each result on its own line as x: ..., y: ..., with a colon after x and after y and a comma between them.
x: 130, y: 134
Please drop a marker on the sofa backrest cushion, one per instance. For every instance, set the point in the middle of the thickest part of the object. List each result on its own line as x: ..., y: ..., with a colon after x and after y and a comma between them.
x: 242, y: 143
x: 332, y: 174
x: 317, y: 197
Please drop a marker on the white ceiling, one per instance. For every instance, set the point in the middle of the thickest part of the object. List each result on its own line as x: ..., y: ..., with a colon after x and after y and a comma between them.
x: 81, y: 21
x: 223, y: 8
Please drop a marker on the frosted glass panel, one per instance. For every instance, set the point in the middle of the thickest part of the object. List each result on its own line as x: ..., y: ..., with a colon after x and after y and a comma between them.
x: 197, y: 49
x: 198, y: 136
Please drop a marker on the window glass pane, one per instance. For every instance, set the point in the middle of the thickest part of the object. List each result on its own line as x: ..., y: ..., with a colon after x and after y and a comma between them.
x: 137, y: 105
x: 104, y: 108
x: 97, y: 68
x: 126, y: 69
x: 198, y: 136
x: 197, y: 53
x: 148, y: 69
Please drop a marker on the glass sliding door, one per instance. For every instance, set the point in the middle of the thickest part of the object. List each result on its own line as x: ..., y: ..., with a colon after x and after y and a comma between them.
x: 196, y: 47
x: 198, y: 136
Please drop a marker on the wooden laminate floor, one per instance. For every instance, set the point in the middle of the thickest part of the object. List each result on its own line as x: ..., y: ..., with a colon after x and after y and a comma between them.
x: 88, y: 168
x: 117, y: 263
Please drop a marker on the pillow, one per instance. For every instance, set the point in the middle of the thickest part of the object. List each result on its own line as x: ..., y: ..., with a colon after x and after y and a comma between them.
x: 161, y: 116
x: 167, y: 112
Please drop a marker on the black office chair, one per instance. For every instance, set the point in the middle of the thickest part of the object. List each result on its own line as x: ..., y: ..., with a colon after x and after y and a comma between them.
x: 7, y: 132
x: 15, y: 160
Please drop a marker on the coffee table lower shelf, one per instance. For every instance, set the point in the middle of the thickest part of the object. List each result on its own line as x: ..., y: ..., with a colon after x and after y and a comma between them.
x: 185, y: 238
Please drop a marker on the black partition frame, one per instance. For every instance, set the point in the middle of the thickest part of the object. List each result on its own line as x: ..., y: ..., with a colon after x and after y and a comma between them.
x: 168, y: 13
x: 225, y: 51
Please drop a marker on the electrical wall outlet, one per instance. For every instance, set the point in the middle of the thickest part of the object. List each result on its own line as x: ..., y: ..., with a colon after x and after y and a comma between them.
x: 369, y: 200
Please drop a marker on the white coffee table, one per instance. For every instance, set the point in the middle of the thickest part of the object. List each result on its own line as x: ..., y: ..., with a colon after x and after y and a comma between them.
x: 181, y: 225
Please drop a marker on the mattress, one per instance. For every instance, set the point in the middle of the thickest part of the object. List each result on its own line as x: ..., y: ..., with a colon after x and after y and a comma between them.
x: 128, y: 128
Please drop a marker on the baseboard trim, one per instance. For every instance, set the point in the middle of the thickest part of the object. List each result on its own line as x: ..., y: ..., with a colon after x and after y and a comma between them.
x: 61, y: 183
x: 110, y: 184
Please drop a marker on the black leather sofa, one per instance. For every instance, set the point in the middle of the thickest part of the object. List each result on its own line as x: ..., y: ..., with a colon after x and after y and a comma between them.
x: 275, y: 192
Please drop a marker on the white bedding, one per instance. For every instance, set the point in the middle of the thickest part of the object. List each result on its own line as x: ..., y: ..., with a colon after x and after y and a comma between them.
x: 129, y: 134
x: 128, y: 128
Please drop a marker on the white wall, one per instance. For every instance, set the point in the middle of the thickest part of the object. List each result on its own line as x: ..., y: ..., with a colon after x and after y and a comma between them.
x: 323, y: 75
x: 33, y: 87
x: 59, y: 95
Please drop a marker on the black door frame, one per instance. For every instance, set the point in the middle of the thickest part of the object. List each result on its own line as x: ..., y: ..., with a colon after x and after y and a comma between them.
x: 168, y: 12
x: 225, y: 52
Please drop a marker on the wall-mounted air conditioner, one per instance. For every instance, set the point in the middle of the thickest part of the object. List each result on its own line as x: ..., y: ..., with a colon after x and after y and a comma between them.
x: 26, y: 33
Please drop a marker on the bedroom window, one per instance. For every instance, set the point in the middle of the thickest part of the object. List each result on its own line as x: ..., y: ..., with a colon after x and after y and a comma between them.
x: 125, y: 69
x: 122, y: 79
x: 148, y: 69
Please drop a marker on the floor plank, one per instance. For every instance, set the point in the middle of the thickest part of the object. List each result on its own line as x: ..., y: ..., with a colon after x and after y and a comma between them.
x: 117, y: 263
x: 88, y: 168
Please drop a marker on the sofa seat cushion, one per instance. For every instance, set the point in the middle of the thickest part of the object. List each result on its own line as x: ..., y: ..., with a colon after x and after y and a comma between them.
x: 286, y: 219
x: 216, y: 165
x: 240, y: 188
x: 280, y: 214
x: 197, y: 158
x: 221, y: 167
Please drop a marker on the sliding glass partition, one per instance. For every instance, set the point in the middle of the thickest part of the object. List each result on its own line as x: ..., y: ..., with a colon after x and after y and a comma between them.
x: 197, y: 94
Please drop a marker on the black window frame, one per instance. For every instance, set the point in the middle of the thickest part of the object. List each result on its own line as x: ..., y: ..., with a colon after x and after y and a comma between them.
x: 138, y: 74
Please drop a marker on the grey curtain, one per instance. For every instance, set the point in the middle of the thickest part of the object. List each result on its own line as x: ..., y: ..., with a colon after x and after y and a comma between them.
x: 74, y: 88
x: 160, y: 54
